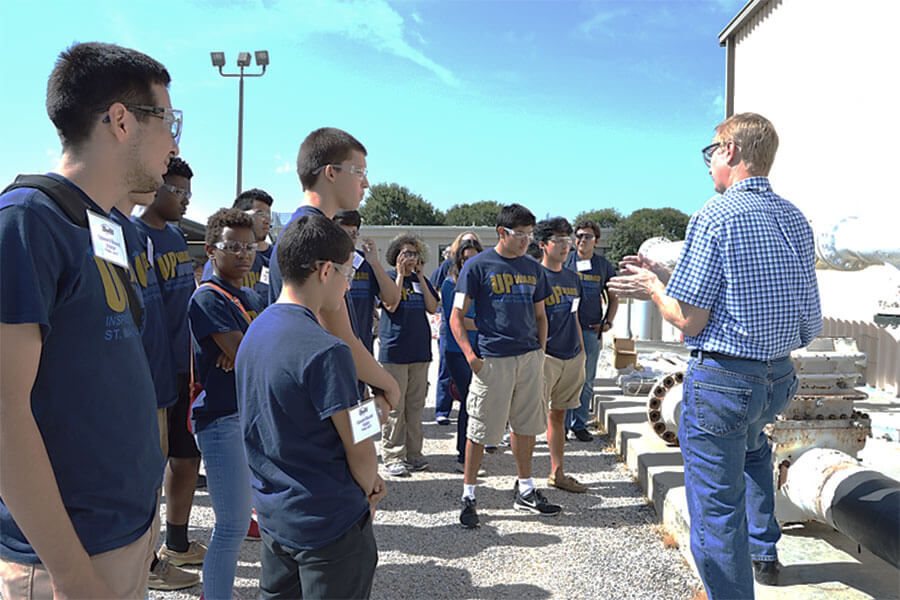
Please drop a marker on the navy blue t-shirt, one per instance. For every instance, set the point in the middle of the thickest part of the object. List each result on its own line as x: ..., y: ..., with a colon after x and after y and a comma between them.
x: 274, y: 272
x: 448, y: 289
x: 256, y: 278
x: 404, y: 336
x: 362, y: 295
x: 92, y: 399
x: 593, y: 282
x: 267, y: 253
x: 211, y: 312
x: 562, y: 323
x: 175, y: 273
x: 439, y: 274
x: 292, y: 376
x: 504, y: 291
x: 155, y: 333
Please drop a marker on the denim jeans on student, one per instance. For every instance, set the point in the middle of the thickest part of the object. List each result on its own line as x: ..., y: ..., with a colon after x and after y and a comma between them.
x: 461, y: 373
x: 228, y: 481
x: 728, y: 470
x: 443, y: 401
x: 577, y: 418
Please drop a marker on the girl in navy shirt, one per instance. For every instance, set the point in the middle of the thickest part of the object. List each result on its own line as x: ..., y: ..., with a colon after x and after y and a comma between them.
x: 404, y: 338
x: 220, y: 312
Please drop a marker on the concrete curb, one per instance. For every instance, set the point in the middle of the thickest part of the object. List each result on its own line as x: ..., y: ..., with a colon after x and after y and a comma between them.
x: 819, y: 561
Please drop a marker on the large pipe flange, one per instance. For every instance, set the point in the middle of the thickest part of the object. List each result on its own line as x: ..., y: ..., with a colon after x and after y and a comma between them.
x: 664, y: 406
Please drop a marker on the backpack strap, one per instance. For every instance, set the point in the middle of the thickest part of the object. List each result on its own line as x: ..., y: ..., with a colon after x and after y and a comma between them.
x: 234, y: 299
x: 74, y: 207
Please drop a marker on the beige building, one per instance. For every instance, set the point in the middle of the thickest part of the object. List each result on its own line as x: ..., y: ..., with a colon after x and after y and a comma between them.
x: 825, y: 73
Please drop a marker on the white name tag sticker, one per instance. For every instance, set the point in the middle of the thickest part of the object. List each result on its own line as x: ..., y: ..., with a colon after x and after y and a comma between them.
x: 357, y: 260
x: 364, y: 421
x: 459, y: 300
x: 416, y: 287
x: 107, y: 239
x: 264, y: 275
x: 575, y: 304
x: 583, y: 265
x: 150, y: 249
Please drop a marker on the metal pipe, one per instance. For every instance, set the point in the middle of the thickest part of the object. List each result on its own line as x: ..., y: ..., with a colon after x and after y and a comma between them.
x: 831, y: 487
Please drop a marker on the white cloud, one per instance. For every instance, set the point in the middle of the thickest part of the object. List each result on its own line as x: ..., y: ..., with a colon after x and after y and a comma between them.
x: 283, y: 166
x: 599, y: 23
x: 415, y: 17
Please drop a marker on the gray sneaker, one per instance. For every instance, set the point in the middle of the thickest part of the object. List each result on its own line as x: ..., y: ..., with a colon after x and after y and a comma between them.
x: 397, y: 469
x: 417, y: 464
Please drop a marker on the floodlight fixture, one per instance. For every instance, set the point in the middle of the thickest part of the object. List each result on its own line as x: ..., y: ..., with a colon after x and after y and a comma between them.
x: 218, y: 59
x: 262, y: 57
x: 243, y: 59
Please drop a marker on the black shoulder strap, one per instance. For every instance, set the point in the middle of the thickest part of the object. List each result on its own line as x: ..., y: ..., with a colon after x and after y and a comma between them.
x: 74, y: 207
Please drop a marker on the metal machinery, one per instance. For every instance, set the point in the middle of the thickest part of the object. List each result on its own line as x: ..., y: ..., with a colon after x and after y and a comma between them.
x: 815, y: 441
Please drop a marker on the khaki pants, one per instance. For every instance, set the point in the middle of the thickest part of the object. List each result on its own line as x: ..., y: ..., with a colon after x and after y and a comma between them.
x: 125, y: 571
x: 401, y: 436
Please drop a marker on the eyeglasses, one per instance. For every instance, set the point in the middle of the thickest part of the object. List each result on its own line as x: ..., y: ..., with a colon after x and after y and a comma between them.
x: 711, y: 149
x: 181, y: 193
x: 347, y: 272
x: 519, y: 235
x: 409, y: 253
x: 360, y: 172
x: 236, y: 248
x: 560, y: 239
x: 171, y: 117
x: 585, y: 236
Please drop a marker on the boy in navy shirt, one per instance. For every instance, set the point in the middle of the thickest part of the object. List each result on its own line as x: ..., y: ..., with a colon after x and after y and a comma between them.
x: 175, y: 273
x: 370, y: 281
x: 508, y: 290
x: 315, y: 487
x: 594, y: 271
x: 564, y: 362
x: 78, y: 436
x: 331, y: 165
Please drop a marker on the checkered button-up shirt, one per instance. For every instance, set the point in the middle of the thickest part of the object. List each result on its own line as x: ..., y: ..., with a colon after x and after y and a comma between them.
x: 749, y: 259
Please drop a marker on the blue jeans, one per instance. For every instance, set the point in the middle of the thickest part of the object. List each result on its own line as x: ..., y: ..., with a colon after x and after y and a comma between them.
x: 461, y: 373
x: 577, y: 418
x: 228, y: 481
x: 728, y: 473
x: 443, y: 401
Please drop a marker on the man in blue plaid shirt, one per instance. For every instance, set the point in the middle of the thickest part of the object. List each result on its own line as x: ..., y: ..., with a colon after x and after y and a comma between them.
x: 745, y: 295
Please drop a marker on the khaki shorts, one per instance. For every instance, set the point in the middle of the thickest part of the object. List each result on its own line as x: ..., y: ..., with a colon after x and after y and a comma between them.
x: 507, y: 389
x: 125, y: 570
x: 563, y: 380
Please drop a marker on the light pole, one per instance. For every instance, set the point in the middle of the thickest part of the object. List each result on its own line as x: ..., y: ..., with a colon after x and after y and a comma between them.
x: 262, y: 60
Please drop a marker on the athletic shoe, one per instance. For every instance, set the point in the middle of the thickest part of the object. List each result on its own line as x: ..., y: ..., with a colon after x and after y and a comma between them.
x: 416, y: 464
x: 582, y: 435
x: 192, y: 556
x: 491, y: 449
x: 166, y: 577
x: 766, y: 571
x: 536, y: 503
x: 461, y: 468
x: 442, y: 420
x: 253, y: 531
x: 397, y: 469
x: 201, y: 482
x: 468, y: 517
x: 567, y: 483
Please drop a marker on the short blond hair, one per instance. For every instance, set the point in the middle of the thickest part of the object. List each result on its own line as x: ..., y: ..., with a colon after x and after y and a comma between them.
x: 755, y: 136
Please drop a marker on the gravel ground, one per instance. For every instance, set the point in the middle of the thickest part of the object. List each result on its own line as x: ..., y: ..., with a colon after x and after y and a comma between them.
x: 605, y: 544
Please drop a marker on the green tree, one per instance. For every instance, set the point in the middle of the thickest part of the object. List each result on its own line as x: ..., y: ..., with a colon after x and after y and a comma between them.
x: 393, y: 204
x: 643, y: 224
x: 476, y: 213
x: 605, y: 217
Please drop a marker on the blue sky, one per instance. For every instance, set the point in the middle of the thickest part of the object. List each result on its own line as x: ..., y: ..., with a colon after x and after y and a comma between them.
x: 561, y: 105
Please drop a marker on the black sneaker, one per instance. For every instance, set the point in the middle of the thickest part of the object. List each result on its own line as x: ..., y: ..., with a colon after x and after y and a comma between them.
x: 582, y: 435
x: 201, y: 482
x: 766, y: 571
x: 468, y: 518
x: 536, y: 503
